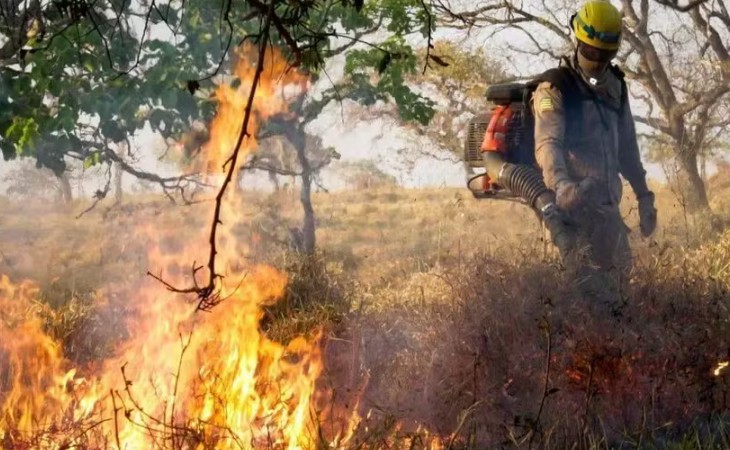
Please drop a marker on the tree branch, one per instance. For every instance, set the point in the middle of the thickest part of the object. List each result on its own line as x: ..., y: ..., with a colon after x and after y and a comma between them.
x: 674, y: 4
x: 209, y: 295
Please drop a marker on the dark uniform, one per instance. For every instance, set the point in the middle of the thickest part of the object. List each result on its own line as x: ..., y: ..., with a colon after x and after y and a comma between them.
x: 582, y: 155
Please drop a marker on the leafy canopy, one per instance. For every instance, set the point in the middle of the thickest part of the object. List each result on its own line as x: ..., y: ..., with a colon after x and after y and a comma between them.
x: 83, y: 79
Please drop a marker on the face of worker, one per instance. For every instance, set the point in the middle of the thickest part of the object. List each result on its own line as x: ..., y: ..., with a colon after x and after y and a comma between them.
x: 594, y: 61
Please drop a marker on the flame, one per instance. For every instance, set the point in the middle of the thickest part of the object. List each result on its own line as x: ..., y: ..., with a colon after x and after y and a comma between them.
x: 182, y: 379
x: 270, y: 98
x: 720, y: 367
x: 31, y: 361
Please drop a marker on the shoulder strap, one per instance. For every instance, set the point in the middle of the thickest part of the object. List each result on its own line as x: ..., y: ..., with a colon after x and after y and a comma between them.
x: 624, y: 88
x: 617, y: 71
x: 564, y: 79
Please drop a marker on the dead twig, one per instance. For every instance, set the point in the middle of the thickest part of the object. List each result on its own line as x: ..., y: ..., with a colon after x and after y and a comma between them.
x: 546, y: 391
x: 100, y: 194
x: 116, y: 418
x: 208, y: 295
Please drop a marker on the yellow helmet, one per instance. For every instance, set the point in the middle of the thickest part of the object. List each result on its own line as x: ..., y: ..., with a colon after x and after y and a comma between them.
x: 598, y: 24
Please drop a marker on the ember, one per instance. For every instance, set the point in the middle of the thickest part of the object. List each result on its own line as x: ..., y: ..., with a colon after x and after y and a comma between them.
x: 720, y: 367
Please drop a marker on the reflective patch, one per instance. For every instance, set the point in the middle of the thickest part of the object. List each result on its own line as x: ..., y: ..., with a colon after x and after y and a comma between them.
x: 546, y: 104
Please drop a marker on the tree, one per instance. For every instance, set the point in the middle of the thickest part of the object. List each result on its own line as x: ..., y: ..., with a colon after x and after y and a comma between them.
x: 374, y: 71
x: 114, y: 81
x: 365, y: 175
x: 457, y: 86
x: 292, y: 152
x: 275, y: 157
x: 680, y: 5
x: 371, y: 75
x: 85, y: 82
x: 461, y: 82
x: 677, y: 58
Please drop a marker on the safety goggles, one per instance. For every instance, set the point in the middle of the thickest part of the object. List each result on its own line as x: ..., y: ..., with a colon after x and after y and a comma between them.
x: 603, y: 36
x: 596, y: 54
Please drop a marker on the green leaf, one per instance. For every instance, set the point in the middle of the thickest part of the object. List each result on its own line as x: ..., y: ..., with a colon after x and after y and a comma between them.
x: 75, y: 69
x: 112, y: 131
x: 89, y: 65
x: 92, y: 160
x: 438, y: 61
x: 157, y: 118
x: 169, y: 98
x: 311, y: 60
x: 22, y: 133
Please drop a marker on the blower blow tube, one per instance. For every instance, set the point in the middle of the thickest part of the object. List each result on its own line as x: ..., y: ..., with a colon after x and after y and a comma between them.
x: 523, y: 181
x: 527, y: 183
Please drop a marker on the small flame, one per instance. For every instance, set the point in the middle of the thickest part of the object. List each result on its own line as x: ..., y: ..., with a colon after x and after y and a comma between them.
x: 720, y: 367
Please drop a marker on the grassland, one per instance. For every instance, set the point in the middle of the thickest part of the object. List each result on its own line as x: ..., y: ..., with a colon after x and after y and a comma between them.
x: 448, y: 306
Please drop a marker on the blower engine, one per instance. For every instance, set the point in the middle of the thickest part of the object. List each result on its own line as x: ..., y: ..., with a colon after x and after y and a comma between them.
x: 503, y: 135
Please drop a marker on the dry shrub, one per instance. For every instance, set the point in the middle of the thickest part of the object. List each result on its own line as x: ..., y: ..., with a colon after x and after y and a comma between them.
x: 638, y: 370
x: 618, y: 372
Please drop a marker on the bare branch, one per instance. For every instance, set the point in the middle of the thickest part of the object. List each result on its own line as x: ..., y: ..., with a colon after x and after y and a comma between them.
x: 714, y: 39
x: 100, y: 194
x: 502, y: 12
x: 674, y: 4
x: 209, y: 295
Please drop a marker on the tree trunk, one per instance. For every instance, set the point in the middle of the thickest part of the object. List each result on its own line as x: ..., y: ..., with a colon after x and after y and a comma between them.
x: 274, y: 178
x: 118, y: 172
x: 695, y: 194
x: 703, y: 169
x: 66, y: 190
x: 305, y: 196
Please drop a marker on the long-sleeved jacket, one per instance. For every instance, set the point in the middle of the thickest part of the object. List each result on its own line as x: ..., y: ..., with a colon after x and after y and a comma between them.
x: 600, y: 141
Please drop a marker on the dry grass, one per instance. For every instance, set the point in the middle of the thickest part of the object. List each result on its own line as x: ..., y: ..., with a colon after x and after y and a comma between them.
x: 480, y: 345
x: 446, y: 303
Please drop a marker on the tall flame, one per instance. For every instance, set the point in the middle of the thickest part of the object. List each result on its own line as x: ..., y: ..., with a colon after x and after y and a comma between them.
x: 270, y: 98
x: 183, y: 379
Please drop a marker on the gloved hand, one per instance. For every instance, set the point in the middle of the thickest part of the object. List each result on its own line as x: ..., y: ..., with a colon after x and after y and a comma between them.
x: 562, y: 230
x: 570, y: 195
x: 647, y: 214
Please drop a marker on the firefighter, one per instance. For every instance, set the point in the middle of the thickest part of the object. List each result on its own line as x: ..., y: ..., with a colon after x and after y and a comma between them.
x: 585, y: 138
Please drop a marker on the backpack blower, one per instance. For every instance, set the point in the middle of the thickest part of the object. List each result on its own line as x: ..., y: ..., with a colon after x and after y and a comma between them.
x: 501, y: 142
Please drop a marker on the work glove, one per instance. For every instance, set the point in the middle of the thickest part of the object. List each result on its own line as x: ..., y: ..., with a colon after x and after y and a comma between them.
x: 647, y: 214
x: 570, y: 195
x: 562, y: 230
